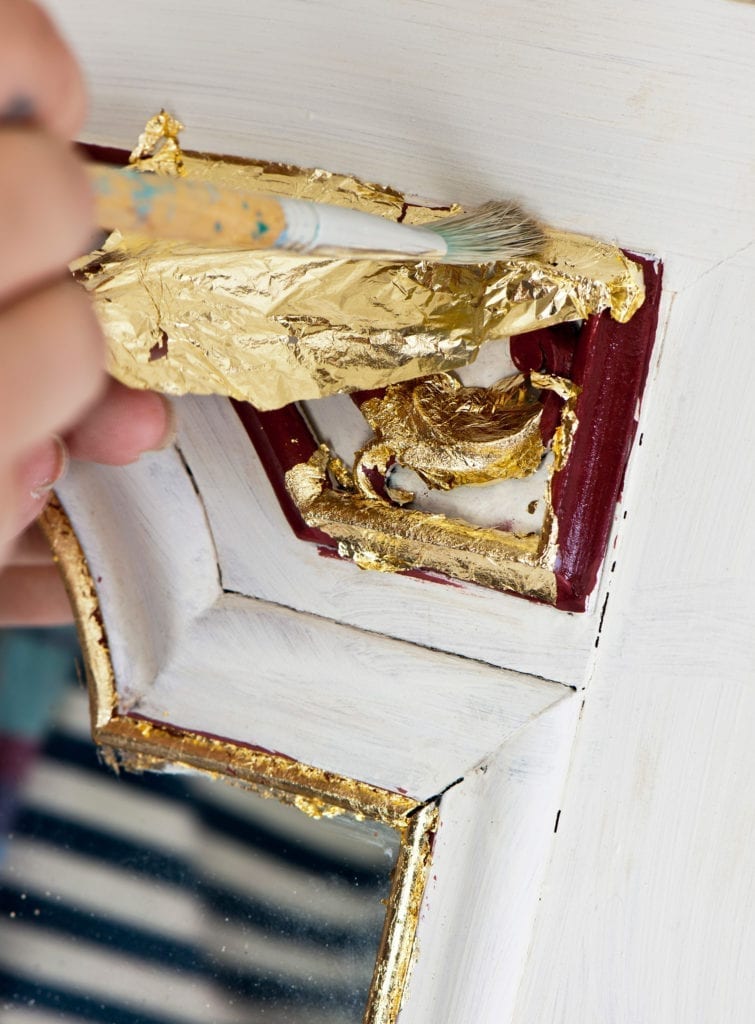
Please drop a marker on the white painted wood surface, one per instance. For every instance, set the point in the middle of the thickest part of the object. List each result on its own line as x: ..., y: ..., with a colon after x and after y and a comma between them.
x: 139, y: 583
x: 650, y: 908
x: 389, y: 713
x: 259, y: 556
x: 485, y: 886
x: 633, y: 122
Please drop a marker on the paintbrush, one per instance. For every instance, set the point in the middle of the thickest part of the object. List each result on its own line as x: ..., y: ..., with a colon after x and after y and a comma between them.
x: 183, y: 210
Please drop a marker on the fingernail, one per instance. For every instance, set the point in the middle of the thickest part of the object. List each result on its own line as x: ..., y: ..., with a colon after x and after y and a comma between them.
x: 18, y: 111
x: 171, y: 426
x: 46, y: 469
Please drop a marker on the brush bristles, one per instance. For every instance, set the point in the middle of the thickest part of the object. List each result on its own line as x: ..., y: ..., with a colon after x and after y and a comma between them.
x: 494, y: 231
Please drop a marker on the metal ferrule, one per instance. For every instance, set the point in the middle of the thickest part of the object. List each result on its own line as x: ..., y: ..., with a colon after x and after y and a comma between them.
x: 311, y: 227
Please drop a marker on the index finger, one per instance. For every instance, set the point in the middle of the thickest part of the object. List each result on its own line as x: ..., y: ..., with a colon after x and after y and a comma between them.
x: 39, y: 76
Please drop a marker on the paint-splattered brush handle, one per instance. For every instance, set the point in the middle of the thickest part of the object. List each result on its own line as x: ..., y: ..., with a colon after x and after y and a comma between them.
x: 183, y: 210
x: 180, y: 209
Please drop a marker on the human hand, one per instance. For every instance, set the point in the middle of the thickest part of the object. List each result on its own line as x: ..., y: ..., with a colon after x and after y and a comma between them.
x: 55, y: 399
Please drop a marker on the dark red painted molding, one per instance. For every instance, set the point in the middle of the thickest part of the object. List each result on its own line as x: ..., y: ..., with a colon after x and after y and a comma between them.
x: 611, y: 365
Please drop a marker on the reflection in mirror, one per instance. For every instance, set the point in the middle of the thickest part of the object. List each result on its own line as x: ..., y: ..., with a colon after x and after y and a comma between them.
x: 160, y: 899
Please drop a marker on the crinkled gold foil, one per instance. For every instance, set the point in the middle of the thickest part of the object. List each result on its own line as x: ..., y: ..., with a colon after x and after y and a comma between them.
x: 452, y: 435
x: 277, y: 328
x: 398, y: 947
x: 378, y: 536
x: 158, y: 148
x: 561, y: 443
x: 567, y: 427
x: 285, y: 180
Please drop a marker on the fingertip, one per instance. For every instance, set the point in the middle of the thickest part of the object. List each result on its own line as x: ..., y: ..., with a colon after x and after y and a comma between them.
x: 39, y: 65
x: 36, y: 475
x: 47, y: 469
x: 123, y: 426
x: 168, y: 437
x: 152, y: 426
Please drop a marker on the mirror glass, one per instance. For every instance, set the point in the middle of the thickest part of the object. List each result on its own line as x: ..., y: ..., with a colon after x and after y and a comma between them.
x: 159, y: 899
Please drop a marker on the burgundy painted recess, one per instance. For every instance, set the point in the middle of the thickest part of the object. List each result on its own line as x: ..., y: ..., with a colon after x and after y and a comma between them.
x: 611, y: 366
x: 608, y: 360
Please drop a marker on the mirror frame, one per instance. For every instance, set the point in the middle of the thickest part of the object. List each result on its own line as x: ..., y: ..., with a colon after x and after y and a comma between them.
x: 134, y: 743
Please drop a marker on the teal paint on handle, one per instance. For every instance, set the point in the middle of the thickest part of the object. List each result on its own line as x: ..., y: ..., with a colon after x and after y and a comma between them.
x: 143, y: 197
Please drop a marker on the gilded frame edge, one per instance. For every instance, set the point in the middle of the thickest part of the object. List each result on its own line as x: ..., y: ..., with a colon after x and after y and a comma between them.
x: 139, y: 745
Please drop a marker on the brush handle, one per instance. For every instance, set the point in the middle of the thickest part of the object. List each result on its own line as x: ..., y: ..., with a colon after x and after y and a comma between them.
x: 184, y: 210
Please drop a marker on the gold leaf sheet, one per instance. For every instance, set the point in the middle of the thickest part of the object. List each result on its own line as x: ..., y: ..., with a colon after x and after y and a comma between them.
x: 276, y: 328
x: 379, y: 536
